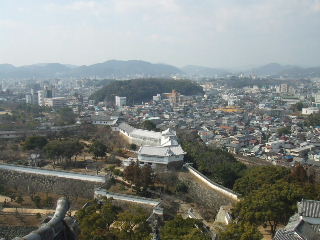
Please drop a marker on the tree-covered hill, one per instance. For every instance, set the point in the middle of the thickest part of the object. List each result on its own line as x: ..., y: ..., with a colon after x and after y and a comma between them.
x: 142, y: 90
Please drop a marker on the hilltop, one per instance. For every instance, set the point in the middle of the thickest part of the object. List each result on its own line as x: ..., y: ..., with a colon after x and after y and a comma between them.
x: 142, y: 90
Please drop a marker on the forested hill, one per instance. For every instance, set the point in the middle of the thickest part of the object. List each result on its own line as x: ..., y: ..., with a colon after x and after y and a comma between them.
x: 142, y: 90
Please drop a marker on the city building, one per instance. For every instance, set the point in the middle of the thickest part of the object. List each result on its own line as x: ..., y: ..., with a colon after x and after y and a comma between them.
x: 157, y: 98
x: 56, y: 102
x: 310, y: 110
x: 120, y: 101
x: 41, y: 98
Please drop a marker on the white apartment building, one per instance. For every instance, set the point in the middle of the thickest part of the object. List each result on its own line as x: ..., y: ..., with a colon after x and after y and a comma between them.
x: 120, y: 101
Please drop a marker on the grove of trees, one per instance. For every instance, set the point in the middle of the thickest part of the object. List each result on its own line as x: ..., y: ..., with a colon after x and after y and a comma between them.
x: 61, y: 151
x: 140, y: 177
x: 269, y: 198
x: 313, y: 120
x: 215, y: 163
x: 184, y: 229
x: 142, y: 90
x: 98, y: 149
x: 102, y: 221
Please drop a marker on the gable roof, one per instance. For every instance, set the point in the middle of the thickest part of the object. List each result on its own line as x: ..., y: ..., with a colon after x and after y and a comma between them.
x: 309, y: 208
x: 162, y: 151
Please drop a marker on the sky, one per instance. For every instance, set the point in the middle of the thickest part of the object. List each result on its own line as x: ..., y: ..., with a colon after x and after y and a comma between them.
x: 214, y: 33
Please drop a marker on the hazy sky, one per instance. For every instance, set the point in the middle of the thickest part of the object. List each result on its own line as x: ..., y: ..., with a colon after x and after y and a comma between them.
x: 216, y: 33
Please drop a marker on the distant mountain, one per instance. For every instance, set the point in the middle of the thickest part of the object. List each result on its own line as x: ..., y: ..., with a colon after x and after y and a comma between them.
x: 125, y: 69
x: 192, y: 70
x: 270, y: 69
x: 276, y: 69
x: 109, y: 69
x: 142, y: 90
x: 43, y: 70
x: 5, y: 68
x: 302, y: 72
x: 115, y: 69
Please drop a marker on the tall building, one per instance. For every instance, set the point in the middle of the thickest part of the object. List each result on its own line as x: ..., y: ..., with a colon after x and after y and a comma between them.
x: 47, y: 92
x: 121, y: 101
x: 284, y: 88
x: 41, y: 98
x: 29, y: 99
x: 32, y: 98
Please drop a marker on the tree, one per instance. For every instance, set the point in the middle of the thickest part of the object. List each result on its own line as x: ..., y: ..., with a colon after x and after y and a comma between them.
x: 184, y: 229
x: 149, y: 125
x: 95, y: 220
x: 284, y: 131
x: 63, y: 150
x: 132, y: 225
x: 142, y: 90
x: 147, y: 176
x: 299, y: 174
x: 133, y: 147
x: 49, y: 202
x: 228, y: 172
x: 297, y: 107
x: 255, y: 177
x: 141, y: 177
x: 65, y: 116
x: 98, y: 149
x: 34, y: 142
x: 37, y: 201
x: 169, y: 179
x: 243, y: 231
x: 182, y: 187
x: 271, y: 205
x: 2, y: 190
x: 19, y: 199
x: 313, y: 120
x: 54, y: 150
x: 215, y: 163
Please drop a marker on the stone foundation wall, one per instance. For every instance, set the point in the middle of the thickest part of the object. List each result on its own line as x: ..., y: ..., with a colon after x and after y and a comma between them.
x: 33, y: 183
x: 8, y: 232
x: 203, y: 194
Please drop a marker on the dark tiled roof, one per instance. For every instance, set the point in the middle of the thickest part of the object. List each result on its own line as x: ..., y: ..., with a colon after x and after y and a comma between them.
x: 309, y: 208
x: 283, y: 235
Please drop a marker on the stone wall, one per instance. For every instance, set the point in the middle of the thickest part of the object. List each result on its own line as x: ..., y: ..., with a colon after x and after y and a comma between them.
x: 10, y: 232
x: 33, y: 183
x: 203, y: 194
x: 213, y: 185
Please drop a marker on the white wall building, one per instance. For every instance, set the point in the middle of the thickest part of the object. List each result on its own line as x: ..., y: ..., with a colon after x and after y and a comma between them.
x: 157, y: 148
x: 120, y: 101
x: 41, y: 98
x: 310, y: 110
